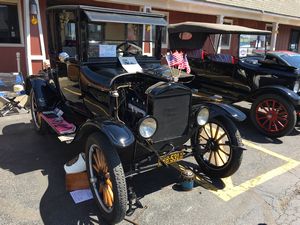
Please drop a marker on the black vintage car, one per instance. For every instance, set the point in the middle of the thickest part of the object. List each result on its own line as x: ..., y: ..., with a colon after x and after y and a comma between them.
x: 286, y: 58
x: 273, y: 88
x: 107, y: 88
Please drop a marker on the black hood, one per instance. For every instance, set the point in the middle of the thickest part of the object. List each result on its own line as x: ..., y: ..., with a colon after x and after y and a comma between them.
x: 106, y: 77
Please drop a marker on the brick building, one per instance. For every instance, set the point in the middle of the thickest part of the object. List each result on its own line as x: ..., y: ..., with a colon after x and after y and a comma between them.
x: 23, y: 26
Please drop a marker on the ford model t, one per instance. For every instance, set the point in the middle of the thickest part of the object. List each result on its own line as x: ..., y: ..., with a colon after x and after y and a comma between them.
x: 242, y: 73
x: 107, y: 88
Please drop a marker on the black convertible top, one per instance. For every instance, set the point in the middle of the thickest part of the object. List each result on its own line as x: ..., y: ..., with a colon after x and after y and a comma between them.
x: 200, y: 32
x: 213, y: 28
x: 99, y: 14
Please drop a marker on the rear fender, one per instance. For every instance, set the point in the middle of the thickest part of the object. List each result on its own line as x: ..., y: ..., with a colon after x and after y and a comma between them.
x: 221, y: 109
x: 43, y: 91
x: 117, y: 133
x: 280, y: 90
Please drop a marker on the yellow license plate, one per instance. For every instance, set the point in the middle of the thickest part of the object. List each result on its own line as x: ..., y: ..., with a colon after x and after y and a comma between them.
x: 172, y: 158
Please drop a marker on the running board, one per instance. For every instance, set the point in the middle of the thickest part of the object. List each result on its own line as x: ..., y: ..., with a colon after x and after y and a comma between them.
x: 58, y: 124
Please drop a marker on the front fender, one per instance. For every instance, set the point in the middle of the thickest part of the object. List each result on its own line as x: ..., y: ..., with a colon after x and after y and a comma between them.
x: 280, y: 90
x: 221, y: 109
x: 117, y: 133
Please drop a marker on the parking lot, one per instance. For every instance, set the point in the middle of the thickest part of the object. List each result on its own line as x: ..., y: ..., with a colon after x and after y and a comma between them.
x: 265, y: 190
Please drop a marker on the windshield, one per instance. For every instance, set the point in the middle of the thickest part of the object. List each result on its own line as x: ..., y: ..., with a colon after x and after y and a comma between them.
x: 292, y: 59
x: 117, y: 39
x: 252, y: 45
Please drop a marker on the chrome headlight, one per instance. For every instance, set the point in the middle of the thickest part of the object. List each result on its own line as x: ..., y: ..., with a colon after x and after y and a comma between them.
x: 202, y: 116
x: 147, y: 127
x: 296, y: 86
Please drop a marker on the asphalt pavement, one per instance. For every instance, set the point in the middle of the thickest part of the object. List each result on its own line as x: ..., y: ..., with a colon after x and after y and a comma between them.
x: 265, y: 190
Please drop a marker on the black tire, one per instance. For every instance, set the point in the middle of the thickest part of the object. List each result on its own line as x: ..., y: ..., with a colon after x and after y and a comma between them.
x: 39, y: 124
x: 116, y: 213
x: 208, y: 146
x: 283, y: 110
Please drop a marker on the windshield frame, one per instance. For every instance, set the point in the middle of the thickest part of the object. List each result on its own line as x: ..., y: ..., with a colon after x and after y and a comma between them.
x: 264, y: 50
x: 156, y: 40
x: 239, y: 46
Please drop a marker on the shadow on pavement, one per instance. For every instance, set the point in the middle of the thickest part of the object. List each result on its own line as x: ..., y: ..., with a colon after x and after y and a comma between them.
x: 155, y: 180
x: 23, y: 151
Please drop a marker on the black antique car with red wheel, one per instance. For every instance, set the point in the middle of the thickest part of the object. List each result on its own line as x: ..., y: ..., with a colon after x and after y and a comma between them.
x: 107, y: 88
x: 242, y: 73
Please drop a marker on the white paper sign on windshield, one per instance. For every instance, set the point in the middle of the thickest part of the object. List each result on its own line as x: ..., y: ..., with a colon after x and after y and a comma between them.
x: 243, y: 52
x: 107, y: 51
x: 130, y: 64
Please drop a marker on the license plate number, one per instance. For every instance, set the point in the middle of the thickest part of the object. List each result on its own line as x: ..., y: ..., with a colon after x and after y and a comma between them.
x: 172, y: 158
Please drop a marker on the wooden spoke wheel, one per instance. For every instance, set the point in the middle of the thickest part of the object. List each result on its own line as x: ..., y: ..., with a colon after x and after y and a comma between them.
x: 106, y: 176
x: 217, y: 148
x: 101, y: 178
x: 215, y: 144
x: 38, y: 123
x: 273, y: 115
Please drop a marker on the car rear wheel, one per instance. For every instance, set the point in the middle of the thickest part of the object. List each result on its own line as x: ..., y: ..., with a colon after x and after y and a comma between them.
x: 273, y: 115
x: 218, y: 148
x: 106, y: 177
x: 39, y: 124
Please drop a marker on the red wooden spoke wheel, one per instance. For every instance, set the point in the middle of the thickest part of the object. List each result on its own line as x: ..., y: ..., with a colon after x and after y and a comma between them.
x: 273, y: 115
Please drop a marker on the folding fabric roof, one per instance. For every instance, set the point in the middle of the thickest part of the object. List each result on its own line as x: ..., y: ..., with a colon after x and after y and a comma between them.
x: 99, y: 14
x: 213, y: 28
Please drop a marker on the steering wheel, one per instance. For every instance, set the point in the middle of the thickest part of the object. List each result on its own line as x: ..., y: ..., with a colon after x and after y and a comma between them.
x: 127, y: 45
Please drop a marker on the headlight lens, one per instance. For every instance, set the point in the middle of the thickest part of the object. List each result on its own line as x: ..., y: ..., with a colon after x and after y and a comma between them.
x: 296, y: 86
x: 147, y: 127
x: 202, y: 116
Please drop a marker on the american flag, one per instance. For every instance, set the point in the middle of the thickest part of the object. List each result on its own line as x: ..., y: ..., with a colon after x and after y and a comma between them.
x: 185, y: 64
x: 178, y: 59
x: 172, y: 60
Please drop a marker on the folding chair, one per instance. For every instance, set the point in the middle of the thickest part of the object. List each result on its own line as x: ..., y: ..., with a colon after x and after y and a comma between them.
x: 12, y: 94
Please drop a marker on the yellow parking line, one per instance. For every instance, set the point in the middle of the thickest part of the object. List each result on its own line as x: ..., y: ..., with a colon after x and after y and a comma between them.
x: 257, y: 147
x: 230, y: 191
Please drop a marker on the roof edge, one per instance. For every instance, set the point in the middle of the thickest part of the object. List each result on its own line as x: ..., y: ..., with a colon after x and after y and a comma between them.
x: 248, y: 9
x: 107, y: 10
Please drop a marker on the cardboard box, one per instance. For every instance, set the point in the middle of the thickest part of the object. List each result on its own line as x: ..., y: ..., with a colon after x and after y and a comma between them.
x: 77, y: 181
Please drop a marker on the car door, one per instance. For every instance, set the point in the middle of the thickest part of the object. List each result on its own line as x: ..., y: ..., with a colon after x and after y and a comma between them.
x: 221, y: 71
x: 69, y: 70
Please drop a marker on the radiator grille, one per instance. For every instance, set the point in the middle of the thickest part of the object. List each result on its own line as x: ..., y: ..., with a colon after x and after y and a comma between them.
x: 172, y: 114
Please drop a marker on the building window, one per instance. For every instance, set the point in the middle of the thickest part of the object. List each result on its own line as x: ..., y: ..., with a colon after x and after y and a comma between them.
x: 226, y: 38
x: 164, y: 33
x: 9, y: 24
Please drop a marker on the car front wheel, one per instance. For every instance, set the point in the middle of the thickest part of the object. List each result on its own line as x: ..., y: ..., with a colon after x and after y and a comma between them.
x: 218, y: 148
x: 106, y: 177
x: 273, y: 115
